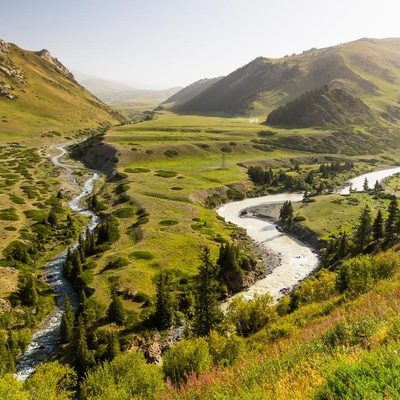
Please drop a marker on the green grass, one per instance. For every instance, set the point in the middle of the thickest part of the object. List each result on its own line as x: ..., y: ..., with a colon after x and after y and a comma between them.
x: 329, y: 214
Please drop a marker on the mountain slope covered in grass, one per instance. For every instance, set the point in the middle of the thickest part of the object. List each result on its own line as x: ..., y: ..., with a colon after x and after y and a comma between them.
x: 322, y: 107
x: 39, y: 96
x: 368, y: 69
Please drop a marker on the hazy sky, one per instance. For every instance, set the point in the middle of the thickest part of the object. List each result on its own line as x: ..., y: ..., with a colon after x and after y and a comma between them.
x: 176, y: 42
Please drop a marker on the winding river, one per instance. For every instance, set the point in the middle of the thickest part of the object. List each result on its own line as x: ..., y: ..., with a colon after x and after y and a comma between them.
x: 298, y: 260
x: 46, y: 338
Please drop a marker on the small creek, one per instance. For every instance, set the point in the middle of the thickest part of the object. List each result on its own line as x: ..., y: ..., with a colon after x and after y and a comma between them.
x: 46, y: 338
x: 297, y: 260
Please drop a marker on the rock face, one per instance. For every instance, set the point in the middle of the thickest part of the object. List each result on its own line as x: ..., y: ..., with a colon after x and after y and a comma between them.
x: 9, y: 69
x: 45, y: 54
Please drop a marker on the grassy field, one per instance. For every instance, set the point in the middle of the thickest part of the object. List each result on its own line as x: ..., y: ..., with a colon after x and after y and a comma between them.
x: 171, y: 165
x: 332, y: 213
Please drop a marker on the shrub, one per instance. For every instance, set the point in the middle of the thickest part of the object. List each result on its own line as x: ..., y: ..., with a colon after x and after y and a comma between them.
x: 126, y: 377
x: 142, y: 255
x: 250, y: 316
x: 168, y: 222
x: 126, y: 212
x: 187, y: 357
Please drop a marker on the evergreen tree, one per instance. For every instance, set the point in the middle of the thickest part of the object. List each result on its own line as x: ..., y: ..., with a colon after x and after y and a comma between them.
x: 84, y: 357
x: 363, y: 231
x: 228, y: 260
x: 67, y: 322
x: 377, y: 226
x: 391, y: 221
x: 164, y: 313
x: 116, y: 310
x: 113, y: 346
x: 365, y: 185
x: 27, y: 290
x: 52, y: 219
x: 286, y: 214
x: 207, y: 311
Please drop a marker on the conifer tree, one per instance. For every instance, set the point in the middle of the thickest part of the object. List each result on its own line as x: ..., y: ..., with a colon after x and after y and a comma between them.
x: 27, y: 290
x: 67, y: 322
x: 207, y: 311
x: 363, y: 232
x: 377, y: 226
x: 391, y: 221
x: 286, y: 214
x: 116, y: 310
x: 84, y: 357
x: 113, y: 346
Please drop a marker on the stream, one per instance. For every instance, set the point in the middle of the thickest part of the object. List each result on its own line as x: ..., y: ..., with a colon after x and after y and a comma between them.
x: 46, y: 338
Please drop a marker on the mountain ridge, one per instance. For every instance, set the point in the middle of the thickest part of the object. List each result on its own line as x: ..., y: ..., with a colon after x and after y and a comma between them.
x: 366, y: 68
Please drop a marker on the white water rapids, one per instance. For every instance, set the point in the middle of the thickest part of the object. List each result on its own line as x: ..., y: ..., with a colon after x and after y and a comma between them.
x: 46, y: 338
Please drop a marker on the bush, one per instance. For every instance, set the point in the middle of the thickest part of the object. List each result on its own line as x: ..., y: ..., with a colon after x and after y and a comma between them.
x: 142, y: 255
x: 187, y: 357
x: 248, y: 317
x: 126, y: 377
x: 126, y: 212
x: 168, y: 222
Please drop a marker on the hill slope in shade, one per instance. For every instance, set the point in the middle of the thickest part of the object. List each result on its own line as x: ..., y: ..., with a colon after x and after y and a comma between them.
x: 191, y: 91
x: 38, y: 95
x: 367, y: 68
x: 321, y: 107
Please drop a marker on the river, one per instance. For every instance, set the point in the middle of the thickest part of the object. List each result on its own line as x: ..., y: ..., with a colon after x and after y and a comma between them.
x: 298, y: 260
x: 46, y: 338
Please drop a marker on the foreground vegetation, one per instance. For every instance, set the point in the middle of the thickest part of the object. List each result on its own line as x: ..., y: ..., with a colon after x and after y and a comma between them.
x: 162, y: 259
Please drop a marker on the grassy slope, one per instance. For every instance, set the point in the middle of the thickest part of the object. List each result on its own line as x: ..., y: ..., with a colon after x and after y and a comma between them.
x: 200, y: 169
x: 49, y: 101
x: 365, y: 68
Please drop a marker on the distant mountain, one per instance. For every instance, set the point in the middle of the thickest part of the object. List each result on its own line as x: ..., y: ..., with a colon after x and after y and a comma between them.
x: 111, y: 92
x: 367, y: 68
x: 321, y: 107
x: 191, y: 91
x: 39, y: 95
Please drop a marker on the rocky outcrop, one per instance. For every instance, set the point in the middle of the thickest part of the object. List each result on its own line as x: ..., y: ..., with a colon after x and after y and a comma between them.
x: 45, y: 54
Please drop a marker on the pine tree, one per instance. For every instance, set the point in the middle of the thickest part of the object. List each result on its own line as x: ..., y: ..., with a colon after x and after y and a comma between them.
x: 67, y: 322
x: 27, y: 290
x: 363, y: 232
x: 207, y: 310
x: 377, y: 226
x: 116, y: 310
x: 366, y: 185
x: 228, y: 260
x: 84, y: 357
x: 286, y: 214
x: 113, y: 346
x: 164, y: 313
x: 391, y: 221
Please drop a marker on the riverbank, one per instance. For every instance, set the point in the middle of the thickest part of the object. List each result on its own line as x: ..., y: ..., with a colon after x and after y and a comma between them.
x: 297, y: 260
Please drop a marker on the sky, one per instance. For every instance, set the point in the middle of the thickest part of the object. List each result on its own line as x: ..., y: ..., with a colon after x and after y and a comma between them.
x: 167, y: 43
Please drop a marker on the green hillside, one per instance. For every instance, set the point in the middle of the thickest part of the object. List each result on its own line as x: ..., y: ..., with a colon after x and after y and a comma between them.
x: 40, y: 97
x: 368, y: 69
x: 322, y: 107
